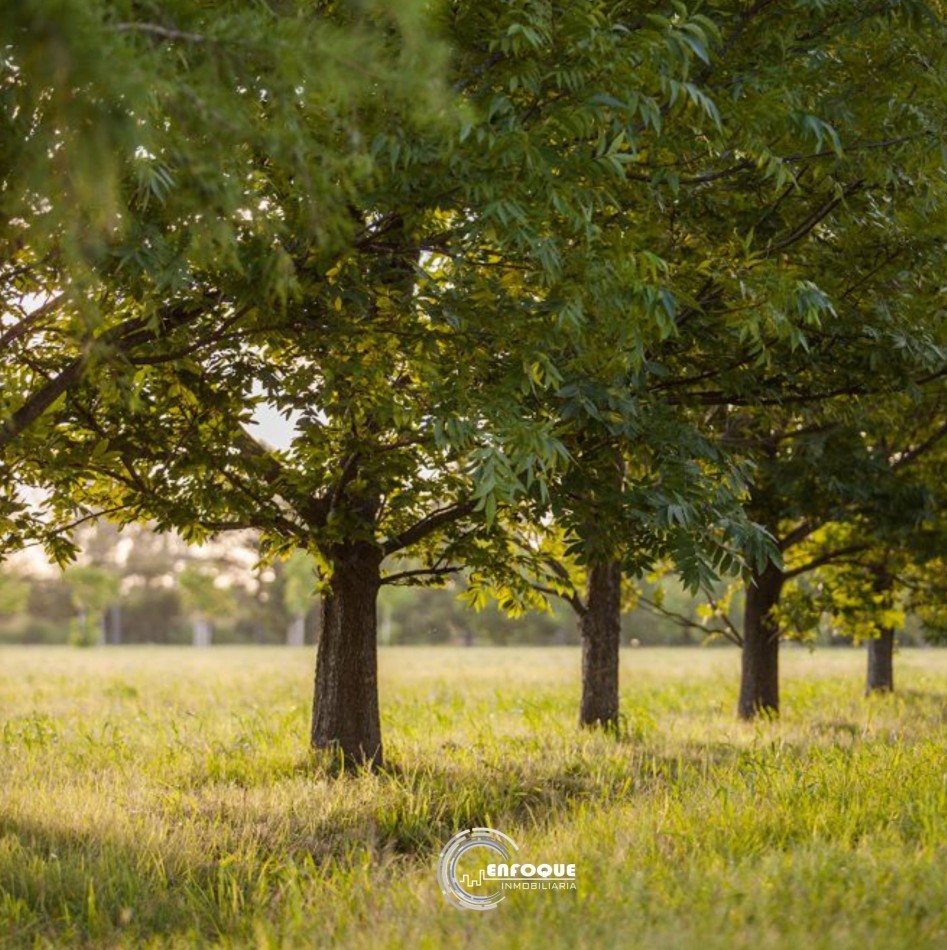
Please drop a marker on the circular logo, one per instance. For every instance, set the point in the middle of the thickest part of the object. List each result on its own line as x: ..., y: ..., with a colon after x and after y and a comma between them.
x: 460, y: 871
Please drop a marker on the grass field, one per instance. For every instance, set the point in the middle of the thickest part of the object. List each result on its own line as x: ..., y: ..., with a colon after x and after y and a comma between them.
x: 164, y: 797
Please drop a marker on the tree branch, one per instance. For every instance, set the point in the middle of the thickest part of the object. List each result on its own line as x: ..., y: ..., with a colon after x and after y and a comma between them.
x: 573, y: 599
x: 428, y: 525
x: 422, y: 572
x: 798, y: 534
x: 164, y: 32
x: 29, y: 321
x: 124, y: 336
x: 919, y: 450
x: 804, y: 227
x: 731, y: 634
x: 824, y: 559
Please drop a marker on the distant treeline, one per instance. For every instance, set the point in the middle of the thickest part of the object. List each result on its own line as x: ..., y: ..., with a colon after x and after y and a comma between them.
x: 47, y: 612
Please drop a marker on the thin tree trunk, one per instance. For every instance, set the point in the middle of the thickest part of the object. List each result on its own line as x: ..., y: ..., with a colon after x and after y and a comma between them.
x: 759, y: 679
x: 880, y: 677
x: 115, y: 623
x: 881, y: 663
x: 345, y: 712
x: 386, y: 627
x: 200, y: 632
x: 600, y: 625
x: 296, y: 634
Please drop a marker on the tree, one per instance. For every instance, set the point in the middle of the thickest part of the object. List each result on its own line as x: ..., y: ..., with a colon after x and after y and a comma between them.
x: 93, y: 590
x: 657, y: 494
x: 299, y: 580
x: 830, y: 291
x: 621, y: 184
x: 764, y: 260
x: 204, y: 601
x: 833, y: 494
x: 413, y: 424
x: 868, y: 572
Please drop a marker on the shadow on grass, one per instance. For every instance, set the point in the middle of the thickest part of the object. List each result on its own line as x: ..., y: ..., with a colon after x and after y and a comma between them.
x: 207, y: 863
x: 69, y: 887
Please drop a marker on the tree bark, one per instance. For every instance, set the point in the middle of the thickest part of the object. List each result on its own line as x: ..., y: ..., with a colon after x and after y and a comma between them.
x: 345, y: 714
x: 600, y: 625
x: 759, y: 676
x: 881, y: 663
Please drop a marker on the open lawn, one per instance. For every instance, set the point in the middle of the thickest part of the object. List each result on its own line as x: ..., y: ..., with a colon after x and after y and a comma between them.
x: 164, y: 797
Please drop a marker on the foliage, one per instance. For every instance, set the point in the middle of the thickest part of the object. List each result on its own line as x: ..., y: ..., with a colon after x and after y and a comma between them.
x: 138, y: 158
x: 14, y: 592
x: 203, y: 597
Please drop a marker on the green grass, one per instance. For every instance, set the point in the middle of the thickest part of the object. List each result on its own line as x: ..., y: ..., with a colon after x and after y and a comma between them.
x: 164, y: 797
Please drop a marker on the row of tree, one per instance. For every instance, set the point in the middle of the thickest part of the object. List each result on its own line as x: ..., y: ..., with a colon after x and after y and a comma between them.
x: 551, y: 293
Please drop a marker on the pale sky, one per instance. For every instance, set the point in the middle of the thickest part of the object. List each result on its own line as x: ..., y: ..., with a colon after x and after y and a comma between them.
x: 270, y: 427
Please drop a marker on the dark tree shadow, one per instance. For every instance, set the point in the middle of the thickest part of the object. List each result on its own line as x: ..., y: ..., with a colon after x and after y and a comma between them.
x: 144, y: 888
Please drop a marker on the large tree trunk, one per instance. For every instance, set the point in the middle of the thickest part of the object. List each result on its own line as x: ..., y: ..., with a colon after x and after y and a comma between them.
x: 600, y: 625
x: 759, y: 679
x: 881, y: 663
x: 345, y: 713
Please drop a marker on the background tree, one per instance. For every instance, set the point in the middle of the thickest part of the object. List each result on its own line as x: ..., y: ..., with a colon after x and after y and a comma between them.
x: 14, y: 592
x: 299, y: 582
x: 868, y: 572
x: 94, y: 589
x: 860, y: 472
x: 205, y: 602
x: 831, y: 289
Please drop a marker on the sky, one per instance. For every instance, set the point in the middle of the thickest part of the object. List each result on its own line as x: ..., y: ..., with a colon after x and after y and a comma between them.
x: 270, y: 427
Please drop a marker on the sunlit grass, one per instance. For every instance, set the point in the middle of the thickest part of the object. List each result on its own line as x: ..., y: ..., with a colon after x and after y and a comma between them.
x: 166, y: 797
